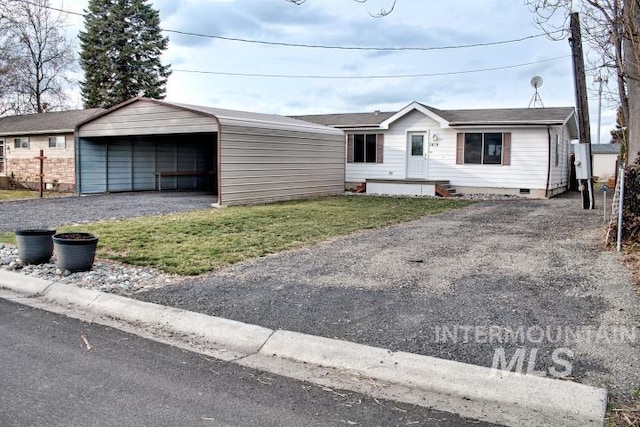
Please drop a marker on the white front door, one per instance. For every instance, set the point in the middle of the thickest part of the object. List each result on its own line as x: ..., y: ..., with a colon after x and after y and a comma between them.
x: 417, y: 152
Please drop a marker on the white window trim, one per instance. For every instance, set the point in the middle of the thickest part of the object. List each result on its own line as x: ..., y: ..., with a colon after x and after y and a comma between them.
x: 21, y: 147
x: 64, y: 141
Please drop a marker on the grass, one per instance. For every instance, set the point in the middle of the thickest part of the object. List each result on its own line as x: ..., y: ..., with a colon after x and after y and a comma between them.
x: 196, y: 242
x: 7, y: 195
x: 623, y: 415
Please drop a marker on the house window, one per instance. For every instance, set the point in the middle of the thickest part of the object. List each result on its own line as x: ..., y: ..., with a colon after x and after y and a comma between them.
x: 365, y: 148
x: 489, y: 148
x: 1, y: 156
x: 483, y: 148
x: 58, y: 141
x: 557, y: 156
x: 21, y: 142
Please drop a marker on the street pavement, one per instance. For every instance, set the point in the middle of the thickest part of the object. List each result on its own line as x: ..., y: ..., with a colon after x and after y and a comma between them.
x: 59, y: 371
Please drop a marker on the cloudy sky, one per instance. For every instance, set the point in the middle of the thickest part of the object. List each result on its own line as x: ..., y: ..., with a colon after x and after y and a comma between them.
x: 235, y: 74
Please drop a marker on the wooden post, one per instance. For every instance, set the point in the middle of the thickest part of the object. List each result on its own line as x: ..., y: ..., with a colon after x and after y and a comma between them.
x: 588, y: 198
x: 41, y: 158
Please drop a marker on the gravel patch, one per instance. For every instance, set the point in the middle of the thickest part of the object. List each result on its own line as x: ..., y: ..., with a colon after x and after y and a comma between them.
x: 439, y: 285
x: 105, y: 275
x: 52, y: 213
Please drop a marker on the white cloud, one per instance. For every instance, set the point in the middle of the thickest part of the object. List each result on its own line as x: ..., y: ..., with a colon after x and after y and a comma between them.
x: 348, y: 23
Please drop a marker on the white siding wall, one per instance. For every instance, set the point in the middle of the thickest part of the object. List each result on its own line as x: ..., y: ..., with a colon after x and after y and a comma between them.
x: 559, y: 177
x: 395, y: 150
x: 148, y: 118
x: 604, y: 165
x: 262, y: 165
x: 529, y: 158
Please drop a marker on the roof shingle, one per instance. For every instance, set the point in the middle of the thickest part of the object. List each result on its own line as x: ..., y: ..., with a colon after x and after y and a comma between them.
x: 454, y: 117
x: 54, y: 122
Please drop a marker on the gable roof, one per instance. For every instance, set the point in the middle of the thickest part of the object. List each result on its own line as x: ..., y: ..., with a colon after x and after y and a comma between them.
x: 353, y: 120
x: 227, y: 117
x: 545, y: 116
x: 454, y: 118
x: 53, y: 122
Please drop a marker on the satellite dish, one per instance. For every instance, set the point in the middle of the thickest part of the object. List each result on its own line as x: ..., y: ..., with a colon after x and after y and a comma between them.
x: 536, y: 82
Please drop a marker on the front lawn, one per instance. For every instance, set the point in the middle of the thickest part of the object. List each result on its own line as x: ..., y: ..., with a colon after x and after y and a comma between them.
x: 196, y: 242
x: 7, y: 195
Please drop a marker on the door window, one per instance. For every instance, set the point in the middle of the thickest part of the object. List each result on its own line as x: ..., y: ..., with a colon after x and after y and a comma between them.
x: 417, y: 145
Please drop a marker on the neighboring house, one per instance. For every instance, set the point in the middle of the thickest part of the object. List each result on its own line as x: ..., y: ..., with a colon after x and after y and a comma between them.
x: 605, y: 160
x: 22, y: 138
x: 500, y: 151
x: 241, y: 157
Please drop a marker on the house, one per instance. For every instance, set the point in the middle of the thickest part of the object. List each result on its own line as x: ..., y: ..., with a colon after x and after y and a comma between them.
x: 241, y: 157
x: 499, y: 151
x: 22, y: 138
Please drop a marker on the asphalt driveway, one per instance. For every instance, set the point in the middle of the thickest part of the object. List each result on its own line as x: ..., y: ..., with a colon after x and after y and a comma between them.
x: 523, y: 283
x: 52, y: 213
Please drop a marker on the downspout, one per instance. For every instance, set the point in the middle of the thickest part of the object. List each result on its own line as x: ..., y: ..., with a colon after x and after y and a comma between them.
x: 546, y: 191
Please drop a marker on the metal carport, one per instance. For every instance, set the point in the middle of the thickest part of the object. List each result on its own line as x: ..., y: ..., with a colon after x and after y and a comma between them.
x: 242, y: 157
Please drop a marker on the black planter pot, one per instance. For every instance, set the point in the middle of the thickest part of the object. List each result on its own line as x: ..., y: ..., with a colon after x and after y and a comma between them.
x: 35, y: 246
x: 75, y: 251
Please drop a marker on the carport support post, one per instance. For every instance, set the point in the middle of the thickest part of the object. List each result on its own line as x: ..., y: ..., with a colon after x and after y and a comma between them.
x: 42, y: 158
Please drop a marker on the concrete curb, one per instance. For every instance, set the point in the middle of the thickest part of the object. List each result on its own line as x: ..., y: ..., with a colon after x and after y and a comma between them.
x: 472, y: 391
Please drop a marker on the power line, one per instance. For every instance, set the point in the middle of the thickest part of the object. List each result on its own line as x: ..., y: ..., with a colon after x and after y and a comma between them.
x: 320, y: 46
x: 397, y: 76
x: 363, y: 48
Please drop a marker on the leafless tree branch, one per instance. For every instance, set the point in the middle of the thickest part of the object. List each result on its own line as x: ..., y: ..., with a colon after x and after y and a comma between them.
x: 383, y: 12
x: 35, y: 58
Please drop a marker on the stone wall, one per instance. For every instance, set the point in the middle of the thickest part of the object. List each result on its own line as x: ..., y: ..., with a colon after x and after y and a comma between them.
x: 59, y: 166
x: 59, y: 174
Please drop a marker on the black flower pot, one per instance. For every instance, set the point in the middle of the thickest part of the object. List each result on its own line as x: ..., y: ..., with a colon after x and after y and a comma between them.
x: 75, y: 251
x: 35, y: 246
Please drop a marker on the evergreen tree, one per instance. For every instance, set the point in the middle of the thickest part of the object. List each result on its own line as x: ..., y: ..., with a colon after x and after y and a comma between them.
x: 120, y: 50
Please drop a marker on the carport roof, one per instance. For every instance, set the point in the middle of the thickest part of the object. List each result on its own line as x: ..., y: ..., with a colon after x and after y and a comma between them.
x: 53, y: 122
x: 238, y: 117
x: 230, y: 117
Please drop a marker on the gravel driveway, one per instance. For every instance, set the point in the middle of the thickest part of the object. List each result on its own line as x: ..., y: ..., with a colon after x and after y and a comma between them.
x: 523, y: 281
x: 51, y: 213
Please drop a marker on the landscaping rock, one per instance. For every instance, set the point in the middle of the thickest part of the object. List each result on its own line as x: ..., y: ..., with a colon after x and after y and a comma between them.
x: 106, y: 276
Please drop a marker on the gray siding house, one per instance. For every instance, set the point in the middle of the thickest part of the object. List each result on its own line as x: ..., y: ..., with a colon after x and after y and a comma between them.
x: 241, y: 157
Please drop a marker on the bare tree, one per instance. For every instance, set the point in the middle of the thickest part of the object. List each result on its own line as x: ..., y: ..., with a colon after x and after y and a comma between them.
x: 36, y: 57
x: 610, y: 28
x: 383, y: 12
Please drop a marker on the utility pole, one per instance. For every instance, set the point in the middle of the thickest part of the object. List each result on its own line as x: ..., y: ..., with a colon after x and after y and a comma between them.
x: 586, y: 185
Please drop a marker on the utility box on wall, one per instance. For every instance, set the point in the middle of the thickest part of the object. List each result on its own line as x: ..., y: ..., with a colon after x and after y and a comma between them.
x: 582, y: 161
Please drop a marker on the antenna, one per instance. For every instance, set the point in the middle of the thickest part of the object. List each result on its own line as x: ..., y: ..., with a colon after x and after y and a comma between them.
x: 536, y: 82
